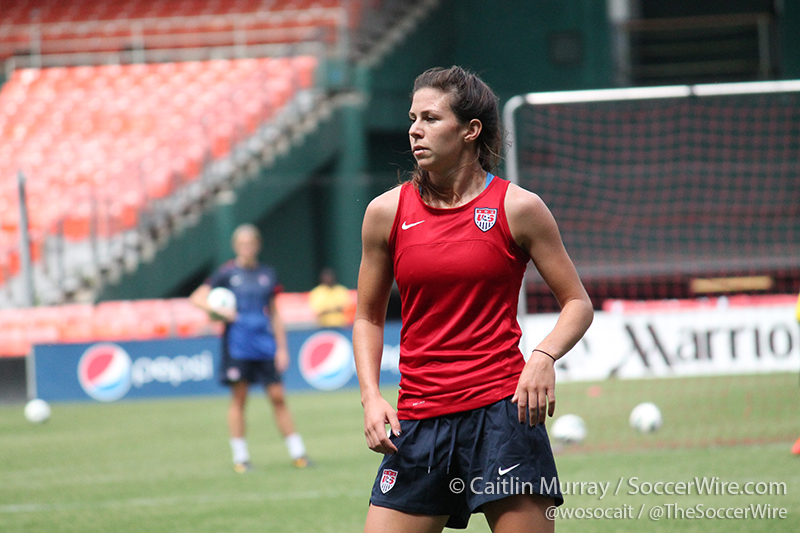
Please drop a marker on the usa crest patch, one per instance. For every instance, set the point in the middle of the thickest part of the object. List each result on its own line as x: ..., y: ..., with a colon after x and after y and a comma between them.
x: 388, y: 477
x: 485, y: 218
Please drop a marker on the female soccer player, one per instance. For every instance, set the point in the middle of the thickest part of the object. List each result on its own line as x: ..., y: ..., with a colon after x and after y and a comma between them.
x: 468, y: 434
x: 254, y: 343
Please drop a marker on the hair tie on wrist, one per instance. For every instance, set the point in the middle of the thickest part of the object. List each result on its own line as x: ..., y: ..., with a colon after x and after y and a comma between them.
x: 547, y: 354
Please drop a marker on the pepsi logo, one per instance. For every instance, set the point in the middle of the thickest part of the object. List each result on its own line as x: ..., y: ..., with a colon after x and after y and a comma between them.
x: 104, y: 372
x: 326, y: 360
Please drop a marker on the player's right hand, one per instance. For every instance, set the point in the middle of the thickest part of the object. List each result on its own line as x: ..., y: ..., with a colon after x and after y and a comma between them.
x: 377, y: 413
x: 226, y: 315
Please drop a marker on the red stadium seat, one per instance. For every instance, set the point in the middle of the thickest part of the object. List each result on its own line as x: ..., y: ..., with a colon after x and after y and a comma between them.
x: 76, y: 222
x: 13, y: 340
x: 106, y: 26
x: 305, y: 67
x: 77, y: 323
x: 123, y: 321
x: 190, y: 321
x: 138, y: 132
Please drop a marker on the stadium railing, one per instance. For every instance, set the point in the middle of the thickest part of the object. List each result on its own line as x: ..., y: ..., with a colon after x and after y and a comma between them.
x: 35, y: 28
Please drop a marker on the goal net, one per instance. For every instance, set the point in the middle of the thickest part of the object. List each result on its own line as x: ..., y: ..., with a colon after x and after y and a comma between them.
x: 666, y: 192
x: 689, y: 193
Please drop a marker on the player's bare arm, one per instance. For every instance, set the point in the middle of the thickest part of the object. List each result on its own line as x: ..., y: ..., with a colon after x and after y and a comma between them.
x: 374, y: 287
x: 281, y: 346
x: 199, y: 298
x: 535, y: 231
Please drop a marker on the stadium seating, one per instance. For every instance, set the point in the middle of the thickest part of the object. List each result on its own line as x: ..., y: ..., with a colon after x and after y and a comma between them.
x: 20, y: 329
x: 105, y: 148
x: 100, y: 144
x: 81, y: 26
x: 110, y: 321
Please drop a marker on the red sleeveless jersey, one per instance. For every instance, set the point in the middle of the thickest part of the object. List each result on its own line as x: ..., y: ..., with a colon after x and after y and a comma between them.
x: 459, y: 273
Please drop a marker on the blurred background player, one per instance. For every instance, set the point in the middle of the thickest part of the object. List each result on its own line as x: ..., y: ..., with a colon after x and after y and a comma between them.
x: 330, y: 301
x: 457, y: 241
x: 254, y: 348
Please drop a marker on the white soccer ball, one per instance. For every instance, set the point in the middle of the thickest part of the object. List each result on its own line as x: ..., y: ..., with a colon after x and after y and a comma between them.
x: 645, y: 417
x: 569, y: 429
x: 222, y: 298
x: 37, y: 411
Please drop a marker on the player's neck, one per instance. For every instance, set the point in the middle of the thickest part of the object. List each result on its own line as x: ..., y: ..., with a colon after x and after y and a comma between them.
x: 246, y: 263
x: 459, y: 187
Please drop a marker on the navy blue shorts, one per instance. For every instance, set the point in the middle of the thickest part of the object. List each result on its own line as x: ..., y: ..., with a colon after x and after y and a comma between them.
x: 453, y: 464
x: 248, y: 370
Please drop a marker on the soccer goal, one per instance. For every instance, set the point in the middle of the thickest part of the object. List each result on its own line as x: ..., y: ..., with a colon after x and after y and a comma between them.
x: 666, y: 192
x: 684, y: 192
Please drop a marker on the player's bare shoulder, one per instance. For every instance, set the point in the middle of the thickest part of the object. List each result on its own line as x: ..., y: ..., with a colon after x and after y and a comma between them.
x: 527, y: 214
x: 518, y: 198
x: 380, y: 214
x: 385, y: 205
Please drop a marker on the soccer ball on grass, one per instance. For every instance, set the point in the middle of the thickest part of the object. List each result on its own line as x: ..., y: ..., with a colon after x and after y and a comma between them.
x: 645, y: 417
x: 37, y: 411
x: 569, y: 429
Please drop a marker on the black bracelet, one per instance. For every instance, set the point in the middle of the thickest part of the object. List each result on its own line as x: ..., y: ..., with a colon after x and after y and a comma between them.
x: 547, y: 354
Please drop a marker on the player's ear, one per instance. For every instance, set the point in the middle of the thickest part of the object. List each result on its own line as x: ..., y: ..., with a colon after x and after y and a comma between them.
x: 474, y: 129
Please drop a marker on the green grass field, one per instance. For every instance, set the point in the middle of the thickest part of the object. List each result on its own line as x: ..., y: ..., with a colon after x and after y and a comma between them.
x: 164, y: 466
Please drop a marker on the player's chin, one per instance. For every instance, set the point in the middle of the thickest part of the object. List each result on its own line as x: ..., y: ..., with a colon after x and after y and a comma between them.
x: 424, y: 162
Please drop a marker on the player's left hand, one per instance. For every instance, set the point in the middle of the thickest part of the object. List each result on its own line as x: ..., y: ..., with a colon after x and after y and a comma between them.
x: 281, y: 360
x: 535, y: 394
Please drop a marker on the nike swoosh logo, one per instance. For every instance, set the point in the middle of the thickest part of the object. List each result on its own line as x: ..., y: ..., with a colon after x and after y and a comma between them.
x: 504, y: 471
x: 406, y: 225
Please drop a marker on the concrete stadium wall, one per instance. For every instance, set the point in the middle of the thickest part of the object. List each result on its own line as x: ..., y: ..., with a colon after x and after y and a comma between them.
x: 516, y: 46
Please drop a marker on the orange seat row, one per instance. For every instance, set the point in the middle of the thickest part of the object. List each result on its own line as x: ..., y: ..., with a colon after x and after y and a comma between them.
x: 96, y: 151
x: 126, y: 320
x: 90, y: 26
x: 24, y: 12
x: 20, y: 329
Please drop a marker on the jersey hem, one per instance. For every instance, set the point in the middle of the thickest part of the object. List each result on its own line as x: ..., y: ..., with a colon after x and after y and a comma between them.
x: 505, y: 392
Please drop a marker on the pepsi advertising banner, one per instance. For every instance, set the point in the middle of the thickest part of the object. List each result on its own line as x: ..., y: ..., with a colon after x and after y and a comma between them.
x: 112, y: 371
x: 323, y: 359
